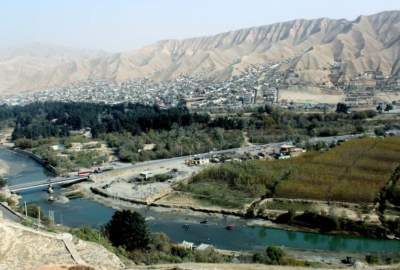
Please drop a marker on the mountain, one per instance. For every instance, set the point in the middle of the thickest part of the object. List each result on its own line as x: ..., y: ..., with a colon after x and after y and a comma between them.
x: 367, y: 43
x: 39, y: 66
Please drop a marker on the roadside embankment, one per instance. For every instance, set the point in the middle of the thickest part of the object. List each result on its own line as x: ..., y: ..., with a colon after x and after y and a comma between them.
x: 155, y: 204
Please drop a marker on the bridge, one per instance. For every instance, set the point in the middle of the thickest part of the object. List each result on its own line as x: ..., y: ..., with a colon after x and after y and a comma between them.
x: 45, y: 183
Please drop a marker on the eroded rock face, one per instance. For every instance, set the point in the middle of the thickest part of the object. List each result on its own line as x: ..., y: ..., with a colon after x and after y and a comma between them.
x: 367, y: 43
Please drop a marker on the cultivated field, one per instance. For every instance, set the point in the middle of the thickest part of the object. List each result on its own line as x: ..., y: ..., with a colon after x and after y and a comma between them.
x: 354, y: 171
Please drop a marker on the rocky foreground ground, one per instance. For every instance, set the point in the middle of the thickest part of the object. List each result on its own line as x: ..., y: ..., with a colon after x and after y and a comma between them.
x: 196, y: 266
x: 24, y: 248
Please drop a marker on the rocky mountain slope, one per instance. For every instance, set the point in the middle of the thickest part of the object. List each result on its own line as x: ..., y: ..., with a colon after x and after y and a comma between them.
x: 367, y: 43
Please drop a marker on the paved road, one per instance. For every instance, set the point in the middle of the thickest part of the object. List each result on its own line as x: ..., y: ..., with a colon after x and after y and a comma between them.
x: 171, y: 162
x: 7, y: 214
x: 167, y: 161
x: 338, y: 138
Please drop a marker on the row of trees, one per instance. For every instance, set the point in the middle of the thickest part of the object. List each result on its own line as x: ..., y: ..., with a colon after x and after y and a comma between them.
x: 171, y: 143
x: 274, y: 124
x: 57, y: 119
x: 48, y: 119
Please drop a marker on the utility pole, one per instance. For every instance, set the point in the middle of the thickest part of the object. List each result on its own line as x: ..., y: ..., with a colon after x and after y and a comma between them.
x: 51, y: 217
x: 38, y: 215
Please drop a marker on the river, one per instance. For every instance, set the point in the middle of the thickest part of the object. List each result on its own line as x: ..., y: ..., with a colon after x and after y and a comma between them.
x: 81, y: 211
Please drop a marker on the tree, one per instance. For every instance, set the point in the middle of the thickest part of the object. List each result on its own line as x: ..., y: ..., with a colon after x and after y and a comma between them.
x: 342, y: 108
x: 379, y: 132
x: 3, y: 182
x: 388, y: 107
x: 128, y: 229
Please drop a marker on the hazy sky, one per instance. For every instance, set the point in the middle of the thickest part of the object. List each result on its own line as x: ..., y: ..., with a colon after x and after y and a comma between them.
x: 115, y: 25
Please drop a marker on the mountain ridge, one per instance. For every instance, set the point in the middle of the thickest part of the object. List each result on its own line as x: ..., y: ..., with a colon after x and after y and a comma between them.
x: 370, y: 42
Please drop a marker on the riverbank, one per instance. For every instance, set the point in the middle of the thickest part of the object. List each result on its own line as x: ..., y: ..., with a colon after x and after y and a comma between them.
x: 193, y: 219
x: 4, y: 168
x: 245, y: 236
x: 37, y: 158
x: 266, y: 217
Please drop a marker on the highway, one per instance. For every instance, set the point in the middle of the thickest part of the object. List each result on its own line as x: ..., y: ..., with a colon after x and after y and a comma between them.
x: 168, y: 162
x: 176, y: 162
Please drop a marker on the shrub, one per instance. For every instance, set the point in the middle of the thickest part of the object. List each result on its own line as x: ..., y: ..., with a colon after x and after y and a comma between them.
x: 291, y: 214
x: 180, y: 251
x: 23, y: 143
x: 208, y: 256
x: 272, y: 255
x: 372, y: 259
x: 275, y: 255
x: 160, y: 242
x: 89, y: 234
x: 379, y: 132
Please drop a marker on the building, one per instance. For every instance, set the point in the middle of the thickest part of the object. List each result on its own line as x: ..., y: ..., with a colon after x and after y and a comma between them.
x: 359, y: 99
x: 187, y: 245
x: 271, y: 95
x: 204, y: 247
x: 145, y: 175
x: 290, y: 150
x: 197, y: 161
x: 194, y: 102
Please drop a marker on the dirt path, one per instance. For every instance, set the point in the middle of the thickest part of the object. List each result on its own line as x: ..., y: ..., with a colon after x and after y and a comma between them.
x: 246, y: 139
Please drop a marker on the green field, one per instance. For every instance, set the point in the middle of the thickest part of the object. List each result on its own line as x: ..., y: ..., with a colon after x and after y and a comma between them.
x: 355, y: 171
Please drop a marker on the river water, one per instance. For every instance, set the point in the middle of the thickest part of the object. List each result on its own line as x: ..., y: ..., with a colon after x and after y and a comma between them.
x: 80, y: 212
